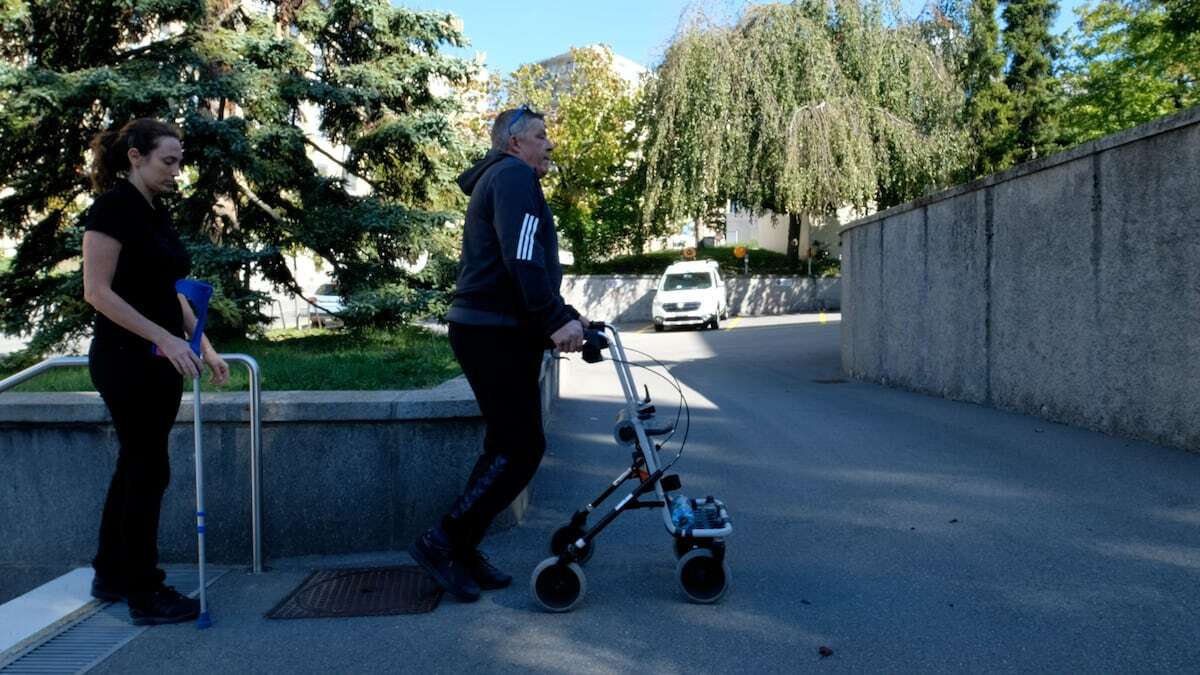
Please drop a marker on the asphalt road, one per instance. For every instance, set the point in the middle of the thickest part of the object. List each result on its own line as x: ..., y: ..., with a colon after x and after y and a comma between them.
x: 903, y: 532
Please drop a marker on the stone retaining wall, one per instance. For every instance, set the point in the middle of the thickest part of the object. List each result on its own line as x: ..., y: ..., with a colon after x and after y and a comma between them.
x: 341, y: 471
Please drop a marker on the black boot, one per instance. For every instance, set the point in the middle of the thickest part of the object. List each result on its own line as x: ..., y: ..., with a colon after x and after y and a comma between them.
x: 488, y: 576
x: 433, y: 552
x: 108, y: 589
x: 165, y: 605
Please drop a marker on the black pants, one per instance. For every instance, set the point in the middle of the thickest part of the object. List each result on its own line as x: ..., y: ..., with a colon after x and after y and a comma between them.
x: 142, y: 392
x: 502, y: 366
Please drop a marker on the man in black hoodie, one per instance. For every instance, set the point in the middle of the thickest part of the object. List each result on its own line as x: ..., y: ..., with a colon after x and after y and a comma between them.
x: 506, y: 311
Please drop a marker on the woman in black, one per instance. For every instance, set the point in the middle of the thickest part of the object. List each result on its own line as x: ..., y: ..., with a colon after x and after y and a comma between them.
x: 132, y: 258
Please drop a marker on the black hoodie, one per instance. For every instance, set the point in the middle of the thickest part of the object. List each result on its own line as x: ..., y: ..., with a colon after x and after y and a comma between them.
x: 509, y: 274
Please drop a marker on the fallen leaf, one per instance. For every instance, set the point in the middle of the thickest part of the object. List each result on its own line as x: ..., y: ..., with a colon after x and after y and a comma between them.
x: 824, y: 651
x: 954, y: 520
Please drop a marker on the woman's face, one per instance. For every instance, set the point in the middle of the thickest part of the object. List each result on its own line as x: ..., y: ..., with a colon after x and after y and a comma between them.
x: 158, y: 170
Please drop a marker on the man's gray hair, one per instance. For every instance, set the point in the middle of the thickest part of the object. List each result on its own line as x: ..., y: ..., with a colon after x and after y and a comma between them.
x: 512, y: 122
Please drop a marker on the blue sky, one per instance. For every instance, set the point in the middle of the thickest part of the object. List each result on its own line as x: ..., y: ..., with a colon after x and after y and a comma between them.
x: 524, y: 31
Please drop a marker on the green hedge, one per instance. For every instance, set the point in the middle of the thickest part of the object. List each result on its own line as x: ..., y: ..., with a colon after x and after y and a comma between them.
x: 315, y: 359
x: 762, y: 261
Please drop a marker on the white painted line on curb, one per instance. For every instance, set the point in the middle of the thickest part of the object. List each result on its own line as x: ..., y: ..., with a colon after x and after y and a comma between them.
x: 25, y: 616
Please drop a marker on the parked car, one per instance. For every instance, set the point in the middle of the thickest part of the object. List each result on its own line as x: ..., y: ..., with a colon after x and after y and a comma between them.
x: 328, y: 303
x: 690, y: 293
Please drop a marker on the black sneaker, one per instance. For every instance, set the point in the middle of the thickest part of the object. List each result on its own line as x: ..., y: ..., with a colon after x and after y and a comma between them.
x: 104, y: 589
x: 488, y: 576
x: 165, y: 605
x: 435, y: 555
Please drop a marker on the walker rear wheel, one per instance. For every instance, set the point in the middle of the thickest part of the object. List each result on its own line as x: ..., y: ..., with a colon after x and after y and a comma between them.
x: 569, y: 534
x: 684, y: 544
x: 557, y: 587
x: 702, y: 577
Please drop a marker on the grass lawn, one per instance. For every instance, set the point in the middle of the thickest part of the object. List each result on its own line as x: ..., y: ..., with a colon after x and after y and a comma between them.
x: 762, y: 261
x: 314, y: 359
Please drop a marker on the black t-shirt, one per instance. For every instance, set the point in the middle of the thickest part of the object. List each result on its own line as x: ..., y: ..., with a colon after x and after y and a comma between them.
x: 152, y: 259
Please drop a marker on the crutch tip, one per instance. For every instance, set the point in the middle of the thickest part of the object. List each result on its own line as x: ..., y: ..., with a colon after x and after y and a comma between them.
x: 203, y: 621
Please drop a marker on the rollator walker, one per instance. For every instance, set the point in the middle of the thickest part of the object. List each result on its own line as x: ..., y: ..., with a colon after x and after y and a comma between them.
x: 698, y: 526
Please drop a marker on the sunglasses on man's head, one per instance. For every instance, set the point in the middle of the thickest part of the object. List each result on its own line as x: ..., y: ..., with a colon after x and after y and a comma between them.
x: 516, y: 118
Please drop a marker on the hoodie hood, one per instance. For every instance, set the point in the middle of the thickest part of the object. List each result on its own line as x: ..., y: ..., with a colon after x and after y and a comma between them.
x: 469, y: 178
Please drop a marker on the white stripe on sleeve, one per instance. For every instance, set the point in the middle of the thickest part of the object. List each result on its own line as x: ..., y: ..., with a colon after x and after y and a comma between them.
x: 524, y: 235
x: 533, y: 239
x: 529, y: 241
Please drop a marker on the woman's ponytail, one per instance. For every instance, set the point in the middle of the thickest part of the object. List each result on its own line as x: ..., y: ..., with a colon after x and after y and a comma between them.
x: 110, y: 149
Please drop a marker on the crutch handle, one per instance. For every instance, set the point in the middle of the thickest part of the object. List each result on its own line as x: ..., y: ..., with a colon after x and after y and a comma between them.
x: 198, y: 293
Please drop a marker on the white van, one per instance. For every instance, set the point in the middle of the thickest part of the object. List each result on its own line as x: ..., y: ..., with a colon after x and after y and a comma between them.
x: 690, y: 293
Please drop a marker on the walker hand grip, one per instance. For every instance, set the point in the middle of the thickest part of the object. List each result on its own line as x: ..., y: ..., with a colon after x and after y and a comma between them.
x: 596, y: 325
x: 593, y: 342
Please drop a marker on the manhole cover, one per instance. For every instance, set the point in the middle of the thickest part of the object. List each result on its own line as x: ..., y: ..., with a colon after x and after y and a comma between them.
x: 377, y: 591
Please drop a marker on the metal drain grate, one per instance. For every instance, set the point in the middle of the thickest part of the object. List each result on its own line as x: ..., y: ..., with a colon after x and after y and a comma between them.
x: 379, y: 591
x: 78, y: 646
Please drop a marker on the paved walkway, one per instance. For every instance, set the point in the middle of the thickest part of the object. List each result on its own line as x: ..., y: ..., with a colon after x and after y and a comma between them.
x: 904, y: 532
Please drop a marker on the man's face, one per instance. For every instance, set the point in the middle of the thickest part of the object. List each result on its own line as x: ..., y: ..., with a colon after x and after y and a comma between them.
x: 533, y: 146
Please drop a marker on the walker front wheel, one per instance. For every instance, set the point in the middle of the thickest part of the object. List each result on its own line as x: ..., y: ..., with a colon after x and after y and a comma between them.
x: 702, y: 577
x: 567, y: 535
x: 558, y: 587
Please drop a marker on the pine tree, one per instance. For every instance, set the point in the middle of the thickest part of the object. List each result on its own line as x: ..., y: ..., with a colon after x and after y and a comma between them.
x: 987, y: 111
x: 240, y: 78
x: 1030, y: 77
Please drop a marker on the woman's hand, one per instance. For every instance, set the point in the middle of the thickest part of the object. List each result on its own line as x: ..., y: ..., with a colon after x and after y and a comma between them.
x: 220, y: 369
x: 180, y: 354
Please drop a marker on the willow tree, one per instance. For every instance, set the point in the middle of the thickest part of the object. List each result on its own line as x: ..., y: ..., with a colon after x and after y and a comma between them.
x: 250, y: 83
x: 689, y: 158
x: 803, y: 109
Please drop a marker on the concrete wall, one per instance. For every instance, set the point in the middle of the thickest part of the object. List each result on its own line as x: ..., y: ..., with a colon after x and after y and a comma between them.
x: 628, y: 298
x: 342, y: 471
x: 1068, y: 287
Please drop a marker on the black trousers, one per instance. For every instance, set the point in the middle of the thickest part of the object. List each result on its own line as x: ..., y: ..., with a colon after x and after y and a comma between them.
x: 502, y: 365
x: 142, y: 392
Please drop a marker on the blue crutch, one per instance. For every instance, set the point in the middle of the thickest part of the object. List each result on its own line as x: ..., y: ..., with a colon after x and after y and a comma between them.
x: 198, y: 294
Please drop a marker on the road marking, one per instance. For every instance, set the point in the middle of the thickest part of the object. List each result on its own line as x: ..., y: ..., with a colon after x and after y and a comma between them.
x: 733, y: 324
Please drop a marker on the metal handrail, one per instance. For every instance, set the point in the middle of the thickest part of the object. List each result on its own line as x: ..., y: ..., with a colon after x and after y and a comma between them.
x: 255, y: 432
